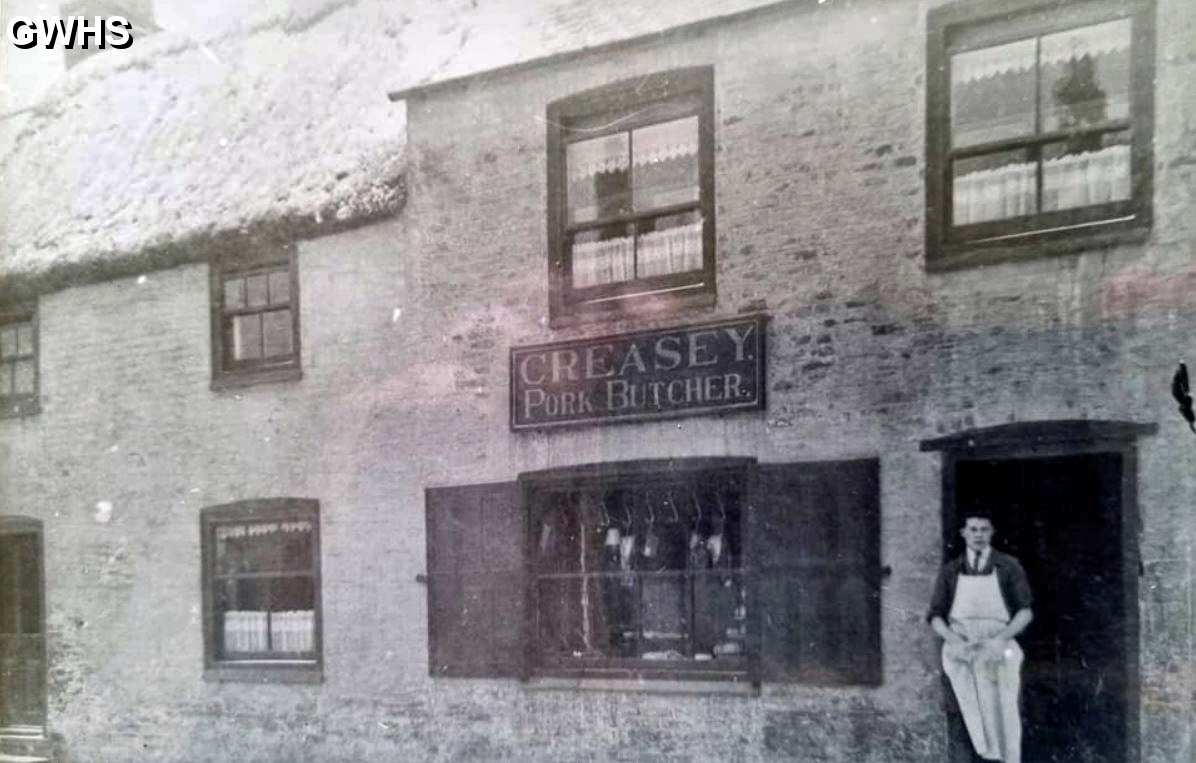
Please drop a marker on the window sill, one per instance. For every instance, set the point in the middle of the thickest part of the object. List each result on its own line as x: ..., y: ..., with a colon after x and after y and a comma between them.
x: 960, y: 256
x: 241, y: 379
x: 259, y: 673
x: 731, y: 687
x: 592, y: 315
x: 19, y: 409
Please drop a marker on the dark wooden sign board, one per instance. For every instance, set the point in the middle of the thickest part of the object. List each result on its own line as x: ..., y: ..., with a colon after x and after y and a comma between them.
x: 682, y: 371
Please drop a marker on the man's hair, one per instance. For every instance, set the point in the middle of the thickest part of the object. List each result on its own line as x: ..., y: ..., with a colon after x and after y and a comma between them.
x: 984, y: 514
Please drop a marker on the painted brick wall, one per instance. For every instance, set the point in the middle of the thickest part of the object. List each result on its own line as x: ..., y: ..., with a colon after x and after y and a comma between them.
x: 406, y: 326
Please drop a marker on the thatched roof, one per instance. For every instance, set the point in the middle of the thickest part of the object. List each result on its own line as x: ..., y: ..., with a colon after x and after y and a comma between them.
x: 279, y: 125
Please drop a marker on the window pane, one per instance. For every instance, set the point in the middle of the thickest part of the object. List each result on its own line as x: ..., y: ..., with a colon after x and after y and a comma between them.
x: 242, y: 613
x: 8, y: 341
x: 670, y: 244
x: 25, y: 338
x: 994, y: 187
x: 1086, y: 76
x: 246, y: 337
x: 1088, y: 170
x: 9, y: 596
x: 24, y: 379
x: 292, y: 615
x: 720, y: 615
x: 559, y: 609
x: 665, y: 614
x: 276, y: 328
x: 598, y: 184
x: 280, y: 287
x: 665, y: 164
x: 264, y: 547
x: 28, y: 576
x: 992, y: 93
x: 602, y: 256
x: 6, y: 374
x: 255, y: 290
x: 234, y: 293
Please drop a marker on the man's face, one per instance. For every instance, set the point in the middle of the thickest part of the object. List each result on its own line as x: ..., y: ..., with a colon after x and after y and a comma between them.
x: 977, y: 533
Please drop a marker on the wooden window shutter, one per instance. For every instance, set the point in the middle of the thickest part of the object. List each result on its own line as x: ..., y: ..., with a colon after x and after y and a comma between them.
x: 814, y: 546
x: 475, y: 581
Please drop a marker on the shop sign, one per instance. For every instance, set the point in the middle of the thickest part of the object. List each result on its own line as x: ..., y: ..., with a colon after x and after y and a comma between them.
x: 707, y: 368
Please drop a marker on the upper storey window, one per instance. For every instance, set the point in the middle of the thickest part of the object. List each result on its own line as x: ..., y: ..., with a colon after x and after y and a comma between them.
x: 255, y: 318
x: 1039, y: 126
x: 18, y: 361
x: 631, y: 190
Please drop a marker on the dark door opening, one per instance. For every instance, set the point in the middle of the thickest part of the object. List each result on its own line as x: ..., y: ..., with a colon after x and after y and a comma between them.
x: 1062, y: 517
x: 22, y: 632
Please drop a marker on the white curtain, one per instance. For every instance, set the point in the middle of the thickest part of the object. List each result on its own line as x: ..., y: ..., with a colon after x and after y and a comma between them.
x: 599, y: 262
x: 1073, y: 180
x: 1079, y: 180
x: 245, y: 631
x: 591, y: 157
x: 664, y: 141
x: 1095, y: 40
x: 673, y: 250
x: 225, y: 532
x: 995, y: 194
x: 989, y: 62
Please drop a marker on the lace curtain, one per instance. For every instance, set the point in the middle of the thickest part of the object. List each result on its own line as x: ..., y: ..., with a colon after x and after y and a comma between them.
x: 673, y: 250
x: 1069, y: 181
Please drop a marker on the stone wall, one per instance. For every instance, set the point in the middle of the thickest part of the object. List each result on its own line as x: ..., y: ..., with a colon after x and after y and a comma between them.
x: 405, y: 331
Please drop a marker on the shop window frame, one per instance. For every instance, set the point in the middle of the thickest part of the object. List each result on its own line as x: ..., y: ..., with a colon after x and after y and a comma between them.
x: 826, y: 584
x: 743, y: 669
x: 620, y: 100
x: 255, y: 260
x: 27, y: 404
x: 259, y: 669
x: 974, y: 24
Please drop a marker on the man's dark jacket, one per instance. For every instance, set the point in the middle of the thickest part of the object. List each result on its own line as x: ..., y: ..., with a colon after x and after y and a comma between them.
x: 1015, y: 588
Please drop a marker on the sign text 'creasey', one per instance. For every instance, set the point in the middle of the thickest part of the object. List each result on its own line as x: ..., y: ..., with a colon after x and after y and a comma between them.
x: 677, y: 371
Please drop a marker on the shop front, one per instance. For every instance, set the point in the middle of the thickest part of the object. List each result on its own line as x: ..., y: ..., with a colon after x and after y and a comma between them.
x: 721, y: 570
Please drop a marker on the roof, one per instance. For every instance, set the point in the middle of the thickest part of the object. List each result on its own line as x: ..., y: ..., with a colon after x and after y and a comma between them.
x: 497, y: 38
x: 277, y: 124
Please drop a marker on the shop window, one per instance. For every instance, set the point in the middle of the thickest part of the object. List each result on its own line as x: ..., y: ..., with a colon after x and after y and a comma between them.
x: 693, y: 570
x: 18, y: 361
x: 1039, y: 128
x: 261, y: 574
x: 631, y: 196
x: 255, y: 318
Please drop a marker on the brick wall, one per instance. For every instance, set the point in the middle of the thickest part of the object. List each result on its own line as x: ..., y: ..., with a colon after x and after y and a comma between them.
x: 406, y: 326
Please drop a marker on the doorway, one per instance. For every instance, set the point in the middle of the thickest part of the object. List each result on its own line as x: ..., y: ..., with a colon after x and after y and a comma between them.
x: 22, y: 628
x: 1061, y: 517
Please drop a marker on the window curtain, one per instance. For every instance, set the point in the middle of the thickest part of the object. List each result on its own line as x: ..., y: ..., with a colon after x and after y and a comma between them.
x: 1069, y: 181
x: 1094, y: 177
x: 245, y: 631
x: 673, y: 250
x: 599, y: 262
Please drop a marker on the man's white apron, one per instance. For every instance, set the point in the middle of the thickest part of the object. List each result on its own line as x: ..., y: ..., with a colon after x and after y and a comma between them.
x: 986, y: 681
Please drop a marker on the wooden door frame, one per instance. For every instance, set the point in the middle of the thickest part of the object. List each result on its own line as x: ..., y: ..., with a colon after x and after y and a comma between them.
x: 1072, y: 437
x: 21, y: 525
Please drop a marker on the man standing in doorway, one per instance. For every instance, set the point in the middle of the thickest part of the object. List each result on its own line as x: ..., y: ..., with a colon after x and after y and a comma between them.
x: 981, y: 602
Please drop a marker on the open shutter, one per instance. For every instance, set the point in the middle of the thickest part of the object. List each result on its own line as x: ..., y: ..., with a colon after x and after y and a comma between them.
x: 814, y: 535
x: 475, y: 581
